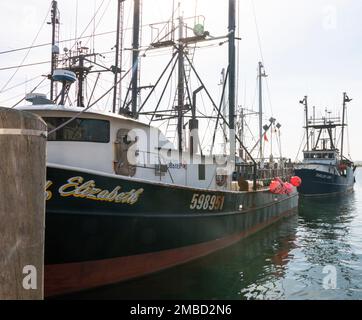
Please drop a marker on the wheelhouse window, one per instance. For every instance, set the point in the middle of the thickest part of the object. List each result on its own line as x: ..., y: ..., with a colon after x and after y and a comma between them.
x: 307, y: 155
x: 85, y: 130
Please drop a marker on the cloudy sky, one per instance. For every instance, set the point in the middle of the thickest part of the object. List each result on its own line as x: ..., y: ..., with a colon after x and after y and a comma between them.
x: 309, y: 47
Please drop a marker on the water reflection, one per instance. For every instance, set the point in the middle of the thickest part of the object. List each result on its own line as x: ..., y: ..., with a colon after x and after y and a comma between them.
x: 222, y: 275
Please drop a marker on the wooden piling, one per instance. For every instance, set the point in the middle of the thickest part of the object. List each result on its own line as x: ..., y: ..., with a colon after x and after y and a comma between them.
x: 22, y: 204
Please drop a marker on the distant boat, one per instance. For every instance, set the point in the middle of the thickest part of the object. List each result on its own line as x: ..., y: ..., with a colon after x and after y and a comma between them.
x: 325, y: 170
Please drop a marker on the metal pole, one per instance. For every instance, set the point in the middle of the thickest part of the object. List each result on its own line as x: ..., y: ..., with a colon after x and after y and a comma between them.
x: 242, y: 133
x: 54, y: 22
x: 181, y: 86
x: 261, y: 74
x: 345, y: 100
x: 232, y: 28
x: 306, y: 120
x: 116, y: 67
x: 135, y: 56
x: 80, y: 100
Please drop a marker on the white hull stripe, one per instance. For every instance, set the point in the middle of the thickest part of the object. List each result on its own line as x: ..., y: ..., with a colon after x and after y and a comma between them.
x: 21, y: 132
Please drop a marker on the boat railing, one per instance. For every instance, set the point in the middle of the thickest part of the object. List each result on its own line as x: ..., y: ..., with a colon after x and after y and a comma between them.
x: 264, y: 175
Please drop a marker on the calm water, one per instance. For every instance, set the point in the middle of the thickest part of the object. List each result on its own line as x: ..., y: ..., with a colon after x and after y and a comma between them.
x: 284, y: 261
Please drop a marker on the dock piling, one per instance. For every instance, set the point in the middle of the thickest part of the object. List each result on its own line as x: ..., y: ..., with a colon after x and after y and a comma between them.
x: 22, y: 204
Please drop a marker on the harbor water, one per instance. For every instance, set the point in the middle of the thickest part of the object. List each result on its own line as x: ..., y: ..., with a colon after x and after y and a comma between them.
x: 315, y: 255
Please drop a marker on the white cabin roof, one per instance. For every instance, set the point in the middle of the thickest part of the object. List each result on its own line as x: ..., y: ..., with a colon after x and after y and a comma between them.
x: 53, y: 107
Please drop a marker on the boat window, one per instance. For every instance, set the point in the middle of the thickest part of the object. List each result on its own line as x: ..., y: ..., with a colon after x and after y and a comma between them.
x: 86, y: 130
x: 202, y: 173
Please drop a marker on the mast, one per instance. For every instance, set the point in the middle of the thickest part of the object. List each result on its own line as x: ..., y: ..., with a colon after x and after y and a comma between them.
x: 81, y: 78
x: 232, y: 28
x: 304, y: 102
x: 135, y: 55
x: 345, y: 100
x: 261, y: 74
x: 116, y: 67
x: 181, y: 85
x: 55, y: 49
x: 241, y: 134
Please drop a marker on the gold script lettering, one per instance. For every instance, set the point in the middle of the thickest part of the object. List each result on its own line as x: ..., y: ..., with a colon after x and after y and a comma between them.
x: 77, y: 188
x: 48, y: 193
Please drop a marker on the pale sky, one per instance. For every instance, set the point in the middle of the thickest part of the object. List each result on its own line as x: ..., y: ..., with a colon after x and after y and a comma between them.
x: 309, y: 47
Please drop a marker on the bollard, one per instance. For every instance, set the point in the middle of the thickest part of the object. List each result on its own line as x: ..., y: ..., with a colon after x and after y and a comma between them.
x: 22, y: 204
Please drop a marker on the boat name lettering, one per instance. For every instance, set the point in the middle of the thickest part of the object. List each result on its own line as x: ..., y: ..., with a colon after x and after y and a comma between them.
x: 76, y: 187
x: 207, y: 202
x: 323, y: 176
x: 48, y: 193
x: 176, y: 165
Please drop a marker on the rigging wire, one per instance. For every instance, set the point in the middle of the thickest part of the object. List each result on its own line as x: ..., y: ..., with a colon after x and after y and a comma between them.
x: 22, y: 66
x: 27, y: 54
x: 90, y: 22
x: 348, y: 141
x: 300, y: 147
x: 95, y: 26
x: 76, y: 19
x: 20, y: 84
x: 261, y: 53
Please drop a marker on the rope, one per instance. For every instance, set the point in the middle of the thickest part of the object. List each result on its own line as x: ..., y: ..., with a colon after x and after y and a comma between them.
x: 261, y: 54
x: 17, y: 68
x: 90, y: 22
x: 20, y: 84
x: 300, y: 147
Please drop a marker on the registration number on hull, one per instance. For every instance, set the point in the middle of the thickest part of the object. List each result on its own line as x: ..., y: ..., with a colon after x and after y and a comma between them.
x: 207, y: 202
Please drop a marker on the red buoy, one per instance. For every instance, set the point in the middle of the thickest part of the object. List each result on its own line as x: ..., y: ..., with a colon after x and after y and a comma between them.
x: 296, y: 181
x: 288, y: 188
x: 275, y: 186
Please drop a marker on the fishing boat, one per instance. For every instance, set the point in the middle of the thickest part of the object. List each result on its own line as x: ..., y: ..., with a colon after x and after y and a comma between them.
x: 122, y: 200
x: 325, y: 169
